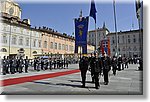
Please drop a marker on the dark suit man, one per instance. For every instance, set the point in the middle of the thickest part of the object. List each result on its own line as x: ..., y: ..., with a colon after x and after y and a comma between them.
x: 106, y: 68
x: 83, y: 66
x: 97, y: 69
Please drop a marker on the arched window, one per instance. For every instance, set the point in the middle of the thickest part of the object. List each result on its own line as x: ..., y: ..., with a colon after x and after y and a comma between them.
x: 3, y: 50
x: 34, y: 52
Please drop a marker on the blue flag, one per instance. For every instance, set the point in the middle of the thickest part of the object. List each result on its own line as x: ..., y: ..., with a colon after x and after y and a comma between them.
x: 93, y: 10
x: 81, y: 29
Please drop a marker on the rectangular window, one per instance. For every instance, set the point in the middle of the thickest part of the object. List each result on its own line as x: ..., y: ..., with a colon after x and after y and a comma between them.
x: 39, y: 43
x: 51, y: 45
x: 20, y: 41
x: 34, y: 43
x: 59, y: 46
x: 55, y: 45
x: 4, y: 40
x: 27, y: 41
x: 45, y: 44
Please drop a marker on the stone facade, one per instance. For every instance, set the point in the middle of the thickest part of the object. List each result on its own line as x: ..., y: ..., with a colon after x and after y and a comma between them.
x: 128, y: 43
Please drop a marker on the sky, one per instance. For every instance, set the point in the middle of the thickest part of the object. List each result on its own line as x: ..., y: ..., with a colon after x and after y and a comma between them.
x: 60, y: 15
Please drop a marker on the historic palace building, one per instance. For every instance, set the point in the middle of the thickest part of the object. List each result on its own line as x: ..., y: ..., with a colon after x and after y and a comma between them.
x: 19, y: 38
x: 128, y: 43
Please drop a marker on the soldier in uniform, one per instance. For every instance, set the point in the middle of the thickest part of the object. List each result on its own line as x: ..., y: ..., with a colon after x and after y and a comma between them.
x: 106, y: 68
x: 58, y: 63
x: 11, y: 65
x: 42, y: 63
x: 91, y: 61
x: 126, y: 62
x: 67, y: 63
x: 64, y: 62
x: 83, y: 66
x: 21, y: 65
x: 119, y: 63
x: 7, y: 65
x: 14, y: 64
x: 35, y: 63
x: 97, y: 69
x: 26, y: 64
x: 54, y: 62
x: 4, y: 65
x: 114, y: 64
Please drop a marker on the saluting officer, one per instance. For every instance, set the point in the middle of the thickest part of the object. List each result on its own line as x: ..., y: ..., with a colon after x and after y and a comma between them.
x: 21, y: 64
x: 106, y: 68
x: 83, y: 66
x: 26, y: 64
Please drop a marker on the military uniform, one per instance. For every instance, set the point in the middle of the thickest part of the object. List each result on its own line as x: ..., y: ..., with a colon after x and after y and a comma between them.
x: 119, y: 63
x: 26, y: 65
x: 91, y: 60
x: 4, y: 65
x: 21, y: 65
x: 42, y: 64
x: 106, y: 69
x: 97, y: 71
x: 114, y: 65
x: 83, y: 66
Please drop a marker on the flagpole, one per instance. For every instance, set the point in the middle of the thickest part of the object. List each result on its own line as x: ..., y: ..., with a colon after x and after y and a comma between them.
x: 115, y: 27
x: 95, y: 37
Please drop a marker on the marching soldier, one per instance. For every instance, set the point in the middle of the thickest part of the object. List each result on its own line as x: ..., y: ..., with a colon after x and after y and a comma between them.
x: 119, y: 63
x: 114, y: 65
x: 97, y: 69
x: 126, y: 63
x: 83, y: 66
x: 106, y: 68
x: 26, y: 64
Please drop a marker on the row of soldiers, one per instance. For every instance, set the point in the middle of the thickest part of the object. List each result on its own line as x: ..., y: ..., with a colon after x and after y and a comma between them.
x: 55, y: 63
x: 12, y: 65
x: 100, y: 65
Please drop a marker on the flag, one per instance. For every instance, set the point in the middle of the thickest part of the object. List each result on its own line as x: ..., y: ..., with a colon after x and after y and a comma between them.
x: 137, y: 4
x: 93, y: 10
x: 81, y: 29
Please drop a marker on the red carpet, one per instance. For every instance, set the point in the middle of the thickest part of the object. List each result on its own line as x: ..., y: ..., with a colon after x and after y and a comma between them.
x: 19, y: 80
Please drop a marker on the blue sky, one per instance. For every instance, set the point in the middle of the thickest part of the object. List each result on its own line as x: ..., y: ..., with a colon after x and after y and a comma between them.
x: 59, y: 16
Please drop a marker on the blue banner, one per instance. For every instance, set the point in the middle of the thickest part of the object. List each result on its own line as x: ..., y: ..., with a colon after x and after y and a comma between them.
x: 81, y: 30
